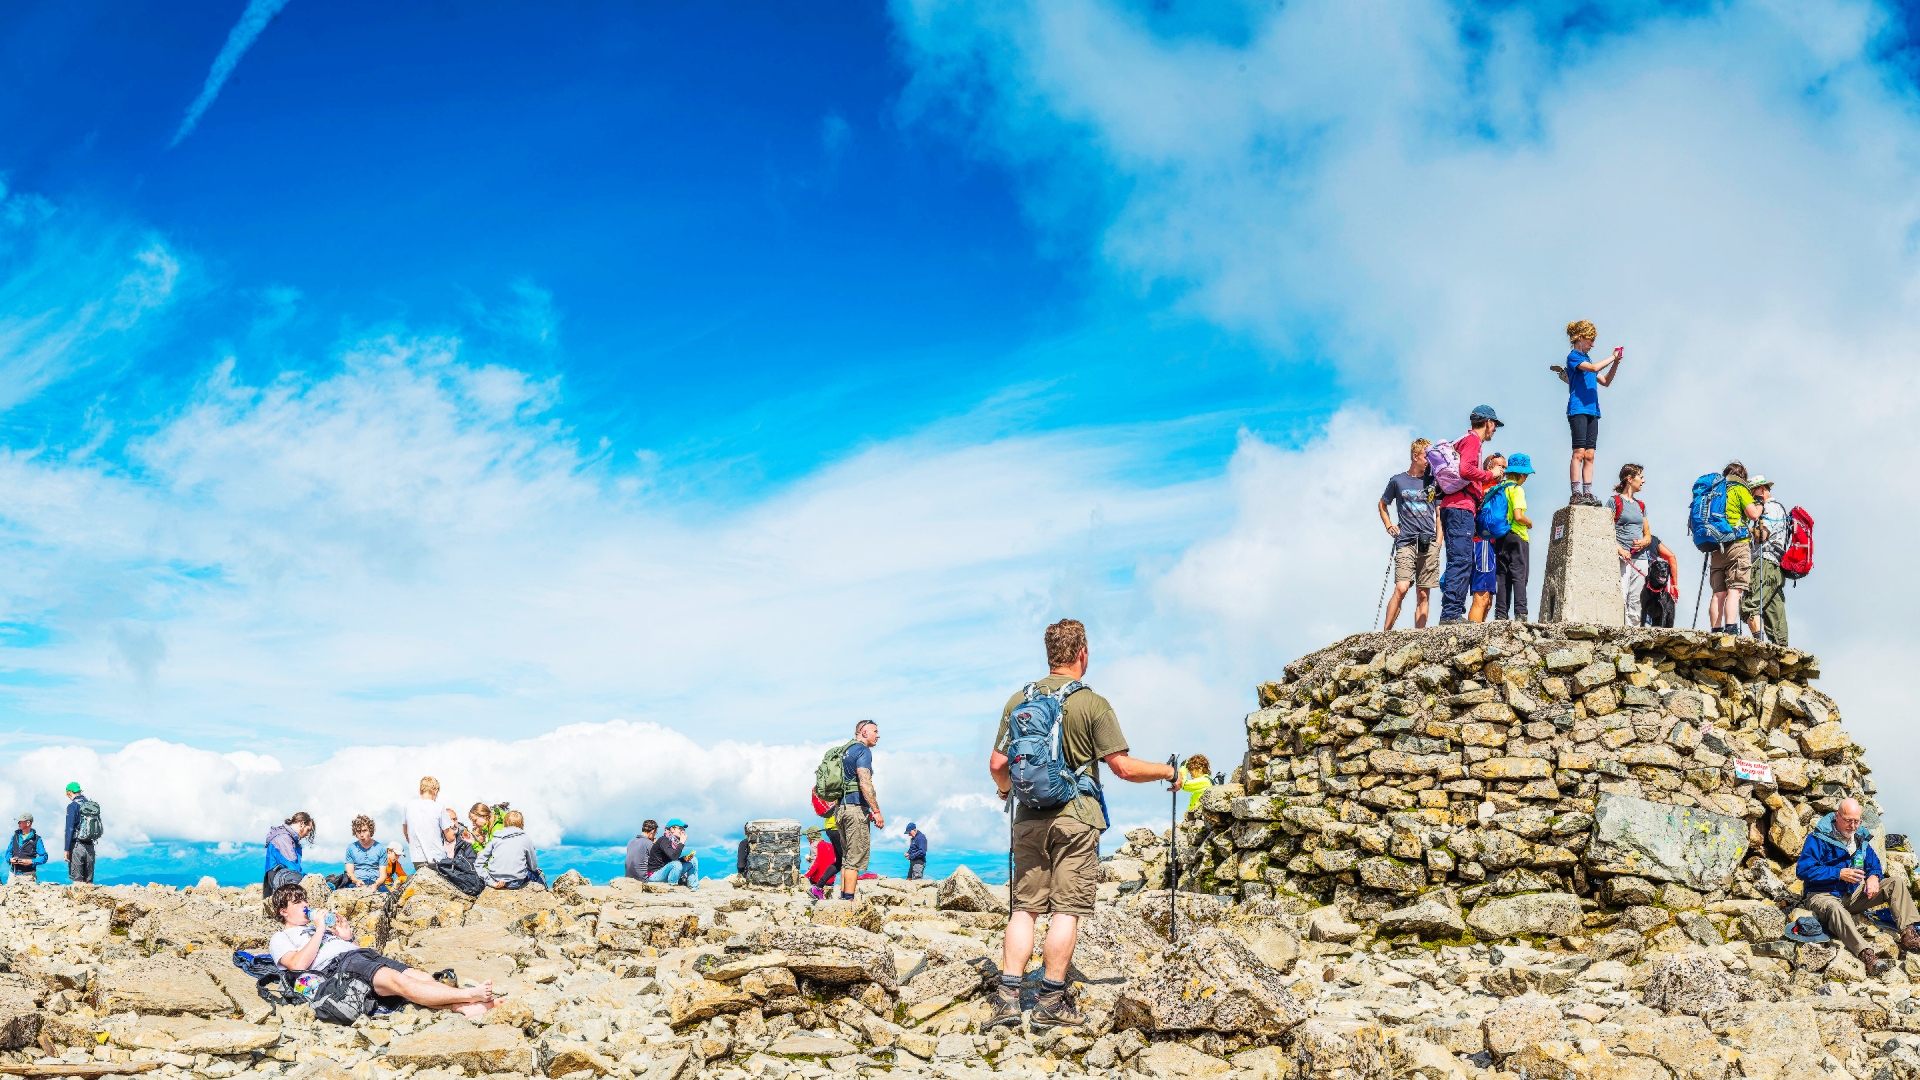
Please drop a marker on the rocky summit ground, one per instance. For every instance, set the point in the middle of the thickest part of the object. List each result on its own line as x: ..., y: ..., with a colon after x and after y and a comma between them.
x: 667, y: 983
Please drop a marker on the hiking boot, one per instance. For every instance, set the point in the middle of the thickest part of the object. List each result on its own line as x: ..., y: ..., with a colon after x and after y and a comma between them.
x: 1055, y: 1008
x: 1874, y: 964
x: 1006, y: 1008
x: 1910, y: 939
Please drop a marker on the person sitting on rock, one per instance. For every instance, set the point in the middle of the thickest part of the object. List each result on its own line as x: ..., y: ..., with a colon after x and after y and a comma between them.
x: 302, y: 946
x: 826, y: 863
x: 1843, y: 878
x: 509, y: 862
x: 1194, y: 778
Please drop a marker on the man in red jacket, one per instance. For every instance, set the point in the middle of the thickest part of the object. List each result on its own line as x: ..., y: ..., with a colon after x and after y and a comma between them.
x: 1457, y: 510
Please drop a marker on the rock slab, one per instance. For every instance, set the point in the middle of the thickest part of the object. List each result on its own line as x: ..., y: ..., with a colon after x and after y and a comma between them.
x: 1697, y: 848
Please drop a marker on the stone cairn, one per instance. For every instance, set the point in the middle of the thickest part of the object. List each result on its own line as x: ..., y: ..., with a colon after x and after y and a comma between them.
x: 776, y: 853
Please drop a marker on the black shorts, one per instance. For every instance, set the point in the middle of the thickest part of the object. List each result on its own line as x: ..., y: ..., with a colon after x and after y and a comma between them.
x: 363, y: 962
x: 1586, y: 430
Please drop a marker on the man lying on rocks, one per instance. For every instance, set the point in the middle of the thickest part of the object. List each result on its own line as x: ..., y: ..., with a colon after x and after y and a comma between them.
x: 301, y: 946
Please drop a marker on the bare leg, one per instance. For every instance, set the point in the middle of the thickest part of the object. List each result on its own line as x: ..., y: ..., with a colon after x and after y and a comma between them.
x: 420, y: 988
x: 1420, y: 609
x: 849, y: 882
x: 1063, y: 932
x: 1393, y: 604
x: 1482, y: 602
x: 1019, y: 944
x: 1732, y: 606
x: 1586, y: 467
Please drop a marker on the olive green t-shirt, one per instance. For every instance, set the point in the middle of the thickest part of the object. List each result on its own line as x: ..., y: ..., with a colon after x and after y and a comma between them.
x: 1088, y: 732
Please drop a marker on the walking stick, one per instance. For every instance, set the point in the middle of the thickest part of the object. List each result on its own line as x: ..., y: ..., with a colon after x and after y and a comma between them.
x: 1698, y: 593
x: 1382, y: 605
x: 1173, y: 855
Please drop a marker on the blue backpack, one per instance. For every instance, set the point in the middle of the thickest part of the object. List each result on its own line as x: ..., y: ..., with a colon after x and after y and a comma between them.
x: 1707, y: 516
x: 1495, y: 519
x: 1041, y: 779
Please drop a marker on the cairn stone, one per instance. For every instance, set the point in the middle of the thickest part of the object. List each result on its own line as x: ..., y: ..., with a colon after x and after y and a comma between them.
x: 1582, y: 582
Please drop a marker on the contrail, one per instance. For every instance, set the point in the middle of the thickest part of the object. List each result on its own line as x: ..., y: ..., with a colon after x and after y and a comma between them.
x: 255, y: 19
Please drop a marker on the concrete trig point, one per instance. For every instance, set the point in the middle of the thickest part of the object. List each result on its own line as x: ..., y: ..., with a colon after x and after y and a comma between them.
x: 1583, y: 569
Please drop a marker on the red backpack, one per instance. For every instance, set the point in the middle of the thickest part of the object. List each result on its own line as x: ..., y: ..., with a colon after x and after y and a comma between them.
x: 1797, y: 561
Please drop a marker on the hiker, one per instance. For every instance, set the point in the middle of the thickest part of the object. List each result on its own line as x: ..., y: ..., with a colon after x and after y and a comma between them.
x: 460, y: 868
x: 743, y: 857
x: 859, y: 811
x: 363, y: 857
x: 332, y: 952
x: 509, y: 861
x: 1513, y: 552
x: 422, y: 826
x: 1731, y: 563
x: 826, y: 863
x: 83, y: 828
x: 283, y: 852
x: 1843, y: 878
x: 916, y: 852
x: 670, y: 860
x: 1416, y: 547
x: 1766, y: 603
x: 393, y: 876
x: 1485, y: 579
x: 1194, y: 778
x: 638, y: 849
x: 1633, y: 535
x: 1660, y: 593
x: 1584, y: 377
x: 25, y: 853
x: 1056, y: 851
x: 1456, y: 513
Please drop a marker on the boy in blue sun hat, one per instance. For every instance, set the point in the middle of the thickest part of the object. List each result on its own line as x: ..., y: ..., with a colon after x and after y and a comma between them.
x: 1513, y: 552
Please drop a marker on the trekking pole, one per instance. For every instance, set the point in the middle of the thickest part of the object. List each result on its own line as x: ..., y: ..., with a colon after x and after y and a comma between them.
x: 1173, y: 856
x: 1382, y: 605
x: 1698, y: 593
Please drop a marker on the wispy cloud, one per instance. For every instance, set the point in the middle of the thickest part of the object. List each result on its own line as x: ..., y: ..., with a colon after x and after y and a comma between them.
x: 241, y: 38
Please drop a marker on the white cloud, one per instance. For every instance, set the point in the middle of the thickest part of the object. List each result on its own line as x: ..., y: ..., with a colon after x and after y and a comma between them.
x: 252, y: 22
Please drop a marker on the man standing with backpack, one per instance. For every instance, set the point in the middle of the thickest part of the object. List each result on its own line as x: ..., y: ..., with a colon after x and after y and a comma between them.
x: 1458, y: 507
x: 83, y: 828
x: 1056, y: 845
x: 859, y: 812
x: 1766, y: 602
x: 1731, y: 564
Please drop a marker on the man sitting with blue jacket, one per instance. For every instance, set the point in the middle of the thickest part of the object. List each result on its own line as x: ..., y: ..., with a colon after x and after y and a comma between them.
x: 1842, y: 875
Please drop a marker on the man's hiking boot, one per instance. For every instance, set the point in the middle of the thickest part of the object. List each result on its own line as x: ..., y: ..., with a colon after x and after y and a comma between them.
x: 1870, y: 959
x: 1910, y: 939
x: 1006, y: 1008
x: 1055, y: 1008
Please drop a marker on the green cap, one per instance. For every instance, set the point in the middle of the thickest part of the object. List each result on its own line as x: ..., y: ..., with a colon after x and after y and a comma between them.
x: 73, y: 788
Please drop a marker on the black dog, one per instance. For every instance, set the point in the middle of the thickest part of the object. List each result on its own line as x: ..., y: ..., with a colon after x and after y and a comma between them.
x: 1656, y: 608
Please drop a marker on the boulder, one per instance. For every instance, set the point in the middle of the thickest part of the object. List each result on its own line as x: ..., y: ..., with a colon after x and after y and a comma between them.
x: 858, y: 914
x: 238, y: 985
x: 1528, y: 914
x: 964, y: 891
x: 1328, y: 924
x: 835, y: 954
x: 1695, y: 847
x: 1776, y: 1040
x: 1692, y: 983
x: 163, y: 985
x: 191, y: 1035
x: 1211, y: 981
x: 1167, y: 1060
x: 704, y: 999
x: 1522, y: 1021
x: 1332, y: 1049
x: 576, y: 1057
x: 492, y: 1048
x: 20, y: 1017
x: 1434, y: 915
x: 808, y: 1044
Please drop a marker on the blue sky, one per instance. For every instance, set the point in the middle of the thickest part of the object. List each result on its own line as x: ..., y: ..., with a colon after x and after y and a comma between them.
x: 601, y: 405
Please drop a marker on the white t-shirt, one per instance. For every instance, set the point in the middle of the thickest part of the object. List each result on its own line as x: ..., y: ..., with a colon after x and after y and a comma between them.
x: 294, y: 938
x: 424, y: 819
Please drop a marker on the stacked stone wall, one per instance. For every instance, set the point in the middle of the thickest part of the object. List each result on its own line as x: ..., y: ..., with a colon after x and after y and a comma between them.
x: 1501, y: 759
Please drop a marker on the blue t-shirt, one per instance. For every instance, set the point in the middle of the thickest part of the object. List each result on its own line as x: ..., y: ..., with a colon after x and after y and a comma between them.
x: 365, y: 861
x: 858, y: 756
x: 1583, y: 387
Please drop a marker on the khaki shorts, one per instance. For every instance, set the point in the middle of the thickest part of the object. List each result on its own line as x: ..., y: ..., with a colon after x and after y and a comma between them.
x: 1732, y: 567
x: 1409, y: 565
x: 1056, y: 866
x: 855, y: 840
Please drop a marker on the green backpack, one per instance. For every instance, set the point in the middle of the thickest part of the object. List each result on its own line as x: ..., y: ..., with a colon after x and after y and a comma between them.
x: 830, y: 779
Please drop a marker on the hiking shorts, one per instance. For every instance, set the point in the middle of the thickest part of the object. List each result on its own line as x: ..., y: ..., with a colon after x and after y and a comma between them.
x: 363, y: 963
x: 855, y: 839
x: 1422, y: 570
x: 1732, y: 567
x: 1483, y: 563
x: 1586, y: 430
x: 1056, y: 866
